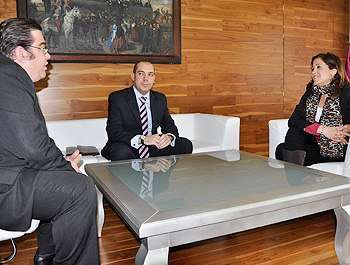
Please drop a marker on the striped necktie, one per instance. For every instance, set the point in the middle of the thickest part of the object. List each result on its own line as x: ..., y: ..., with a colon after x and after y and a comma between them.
x: 146, y: 186
x: 143, y: 150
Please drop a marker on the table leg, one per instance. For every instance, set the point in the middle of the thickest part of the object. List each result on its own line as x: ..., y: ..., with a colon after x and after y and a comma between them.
x: 100, y: 212
x: 342, y: 235
x: 145, y: 256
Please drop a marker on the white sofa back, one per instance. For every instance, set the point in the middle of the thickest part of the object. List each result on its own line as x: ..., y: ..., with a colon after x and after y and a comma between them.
x: 78, y: 132
x: 207, y: 132
x: 277, y: 132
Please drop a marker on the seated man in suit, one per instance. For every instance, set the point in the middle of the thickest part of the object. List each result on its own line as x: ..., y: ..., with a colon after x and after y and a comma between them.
x: 139, y: 124
x: 36, y: 181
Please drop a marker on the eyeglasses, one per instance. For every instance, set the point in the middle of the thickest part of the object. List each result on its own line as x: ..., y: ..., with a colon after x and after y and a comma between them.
x: 45, y: 50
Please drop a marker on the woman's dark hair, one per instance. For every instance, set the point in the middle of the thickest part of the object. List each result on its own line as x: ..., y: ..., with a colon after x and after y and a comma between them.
x: 333, y: 62
x: 16, y: 32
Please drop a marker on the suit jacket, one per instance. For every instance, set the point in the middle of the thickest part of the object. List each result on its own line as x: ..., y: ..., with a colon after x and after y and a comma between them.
x: 25, y: 147
x: 124, y: 120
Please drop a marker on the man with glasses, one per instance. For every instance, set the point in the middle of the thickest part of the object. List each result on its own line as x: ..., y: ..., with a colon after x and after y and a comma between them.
x: 36, y: 181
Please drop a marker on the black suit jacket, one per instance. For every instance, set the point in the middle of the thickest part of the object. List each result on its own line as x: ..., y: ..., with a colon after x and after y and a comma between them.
x: 124, y: 120
x: 25, y: 147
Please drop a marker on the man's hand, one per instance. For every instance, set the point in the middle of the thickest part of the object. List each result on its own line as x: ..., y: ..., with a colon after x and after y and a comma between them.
x: 74, y: 160
x: 164, y: 141
x: 162, y: 164
x: 159, y: 141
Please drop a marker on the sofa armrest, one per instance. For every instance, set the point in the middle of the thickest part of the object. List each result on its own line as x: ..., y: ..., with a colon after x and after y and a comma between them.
x: 277, y: 132
x: 216, y: 129
x: 346, y: 166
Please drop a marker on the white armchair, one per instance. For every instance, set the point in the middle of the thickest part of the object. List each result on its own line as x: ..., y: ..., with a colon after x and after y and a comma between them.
x: 10, y: 235
x: 277, y: 132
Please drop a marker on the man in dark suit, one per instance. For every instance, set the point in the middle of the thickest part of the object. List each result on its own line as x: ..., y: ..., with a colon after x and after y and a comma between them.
x: 126, y: 136
x: 36, y: 181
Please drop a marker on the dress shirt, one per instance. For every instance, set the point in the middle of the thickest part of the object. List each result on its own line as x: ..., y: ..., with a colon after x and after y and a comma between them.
x: 135, y: 140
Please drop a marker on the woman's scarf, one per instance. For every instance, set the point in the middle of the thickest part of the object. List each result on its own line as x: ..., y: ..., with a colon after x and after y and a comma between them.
x: 331, y: 116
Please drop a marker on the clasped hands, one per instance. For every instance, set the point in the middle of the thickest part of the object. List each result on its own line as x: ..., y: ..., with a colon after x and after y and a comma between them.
x: 160, y: 141
x: 162, y: 164
x: 337, y: 134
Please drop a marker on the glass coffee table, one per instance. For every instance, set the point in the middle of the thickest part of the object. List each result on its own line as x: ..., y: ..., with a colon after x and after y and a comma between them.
x: 175, y: 200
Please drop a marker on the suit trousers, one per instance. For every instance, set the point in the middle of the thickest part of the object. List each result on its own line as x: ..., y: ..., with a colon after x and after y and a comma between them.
x: 297, y: 139
x: 121, y: 150
x: 66, y: 204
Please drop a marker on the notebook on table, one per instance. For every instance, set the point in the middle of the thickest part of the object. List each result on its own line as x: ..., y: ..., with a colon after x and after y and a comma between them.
x: 83, y: 149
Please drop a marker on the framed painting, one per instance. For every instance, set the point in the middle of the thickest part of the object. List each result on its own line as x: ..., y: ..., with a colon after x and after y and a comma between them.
x: 117, y: 31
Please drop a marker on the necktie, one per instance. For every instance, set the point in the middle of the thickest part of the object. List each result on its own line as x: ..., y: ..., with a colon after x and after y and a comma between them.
x: 143, y: 150
x: 146, y: 186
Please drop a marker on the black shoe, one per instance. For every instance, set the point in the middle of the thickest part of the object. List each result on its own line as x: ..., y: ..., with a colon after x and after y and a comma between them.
x: 45, y: 259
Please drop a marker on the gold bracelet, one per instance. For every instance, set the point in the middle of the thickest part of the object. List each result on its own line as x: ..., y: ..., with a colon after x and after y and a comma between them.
x: 324, y: 126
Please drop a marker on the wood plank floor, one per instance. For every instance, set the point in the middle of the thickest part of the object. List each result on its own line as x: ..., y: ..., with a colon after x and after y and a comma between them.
x: 307, y: 240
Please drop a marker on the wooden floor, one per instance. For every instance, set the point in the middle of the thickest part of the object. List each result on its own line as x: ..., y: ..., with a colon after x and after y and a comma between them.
x: 307, y: 240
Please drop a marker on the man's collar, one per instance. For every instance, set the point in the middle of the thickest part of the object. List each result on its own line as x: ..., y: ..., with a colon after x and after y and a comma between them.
x: 138, y: 94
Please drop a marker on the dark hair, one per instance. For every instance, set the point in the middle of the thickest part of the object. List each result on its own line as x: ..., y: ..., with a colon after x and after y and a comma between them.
x: 16, y: 32
x: 333, y: 62
x: 136, y: 64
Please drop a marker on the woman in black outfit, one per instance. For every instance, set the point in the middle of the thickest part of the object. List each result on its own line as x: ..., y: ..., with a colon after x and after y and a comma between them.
x: 320, y: 123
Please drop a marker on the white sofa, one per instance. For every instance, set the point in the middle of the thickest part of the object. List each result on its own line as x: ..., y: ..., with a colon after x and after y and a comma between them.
x: 206, y: 131
x: 277, y: 132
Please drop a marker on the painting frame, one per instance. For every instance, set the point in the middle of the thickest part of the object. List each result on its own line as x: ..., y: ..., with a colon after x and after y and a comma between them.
x: 71, y: 56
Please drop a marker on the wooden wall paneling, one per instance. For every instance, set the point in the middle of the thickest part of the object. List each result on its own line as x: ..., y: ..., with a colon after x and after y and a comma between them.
x: 7, y: 9
x: 310, y: 28
x: 341, y: 29
x: 250, y: 64
x: 234, y: 62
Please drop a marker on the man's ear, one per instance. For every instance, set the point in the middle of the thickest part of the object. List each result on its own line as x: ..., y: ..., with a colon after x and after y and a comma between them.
x: 20, y: 54
x: 133, y: 77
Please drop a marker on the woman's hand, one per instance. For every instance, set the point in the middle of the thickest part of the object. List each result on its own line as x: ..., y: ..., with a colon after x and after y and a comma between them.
x: 337, y: 134
x: 345, y: 128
